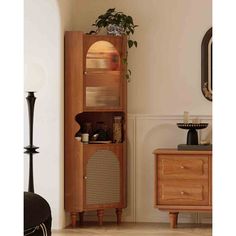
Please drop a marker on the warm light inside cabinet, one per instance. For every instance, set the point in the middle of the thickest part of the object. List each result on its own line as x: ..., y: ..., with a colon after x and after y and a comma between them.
x: 102, y: 55
x: 103, y: 76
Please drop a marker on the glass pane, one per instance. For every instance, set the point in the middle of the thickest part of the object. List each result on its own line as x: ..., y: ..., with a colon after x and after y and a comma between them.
x: 102, y: 55
x: 102, y: 79
x: 102, y: 96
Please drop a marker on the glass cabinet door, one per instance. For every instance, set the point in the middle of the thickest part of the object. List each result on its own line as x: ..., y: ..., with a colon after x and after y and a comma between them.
x: 102, y: 77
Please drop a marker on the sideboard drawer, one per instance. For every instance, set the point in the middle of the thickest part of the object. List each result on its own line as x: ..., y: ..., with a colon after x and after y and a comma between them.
x: 184, y: 193
x: 182, y: 166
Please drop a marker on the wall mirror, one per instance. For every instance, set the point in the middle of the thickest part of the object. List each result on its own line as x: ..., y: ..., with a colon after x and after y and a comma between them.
x: 206, y: 65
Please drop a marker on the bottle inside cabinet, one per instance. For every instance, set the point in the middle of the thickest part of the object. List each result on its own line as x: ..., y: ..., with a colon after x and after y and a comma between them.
x: 117, y: 129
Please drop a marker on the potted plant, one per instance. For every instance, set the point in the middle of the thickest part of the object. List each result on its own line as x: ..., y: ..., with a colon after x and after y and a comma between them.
x: 117, y: 23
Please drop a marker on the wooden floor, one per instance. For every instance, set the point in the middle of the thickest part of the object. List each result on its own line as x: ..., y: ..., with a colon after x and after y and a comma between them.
x: 138, y: 229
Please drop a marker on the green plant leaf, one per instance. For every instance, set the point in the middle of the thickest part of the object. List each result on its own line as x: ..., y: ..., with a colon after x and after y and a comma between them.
x: 130, y: 43
x: 130, y: 19
x: 110, y: 10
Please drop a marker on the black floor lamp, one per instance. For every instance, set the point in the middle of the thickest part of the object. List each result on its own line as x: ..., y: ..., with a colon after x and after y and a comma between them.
x: 37, y: 212
x: 31, y: 149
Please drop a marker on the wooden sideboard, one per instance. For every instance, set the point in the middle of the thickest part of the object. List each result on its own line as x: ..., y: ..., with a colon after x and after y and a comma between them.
x: 183, y: 181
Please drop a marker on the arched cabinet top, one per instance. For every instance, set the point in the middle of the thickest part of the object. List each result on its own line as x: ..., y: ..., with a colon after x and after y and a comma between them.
x: 119, y: 42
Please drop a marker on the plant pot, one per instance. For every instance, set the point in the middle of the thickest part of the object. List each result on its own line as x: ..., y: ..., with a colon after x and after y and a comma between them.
x: 116, y: 30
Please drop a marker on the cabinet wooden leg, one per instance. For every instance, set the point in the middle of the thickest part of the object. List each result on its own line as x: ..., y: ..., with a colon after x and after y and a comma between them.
x: 81, y: 218
x: 73, y: 216
x: 173, y: 216
x: 118, y: 215
x: 100, y: 214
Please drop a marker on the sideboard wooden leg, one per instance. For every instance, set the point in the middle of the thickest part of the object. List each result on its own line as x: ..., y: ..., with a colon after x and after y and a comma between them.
x: 73, y: 216
x: 81, y: 218
x: 173, y: 216
x: 118, y: 215
x: 100, y: 214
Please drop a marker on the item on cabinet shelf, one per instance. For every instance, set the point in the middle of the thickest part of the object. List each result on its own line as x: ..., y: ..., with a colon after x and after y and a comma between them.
x: 117, y: 129
x: 101, y: 130
x: 87, y: 128
x: 199, y: 147
x: 205, y: 142
x: 186, y: 117
x: 196, y: 120
x: 85, y: 138
x: 94, y: 137
x: 78, y: 138
x: 192, y: 137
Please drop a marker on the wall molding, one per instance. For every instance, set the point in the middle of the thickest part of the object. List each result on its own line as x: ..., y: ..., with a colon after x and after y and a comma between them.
x: 165, y: 117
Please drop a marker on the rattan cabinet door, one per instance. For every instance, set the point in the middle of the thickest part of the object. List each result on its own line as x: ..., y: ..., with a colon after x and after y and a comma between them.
x: 103, y: 184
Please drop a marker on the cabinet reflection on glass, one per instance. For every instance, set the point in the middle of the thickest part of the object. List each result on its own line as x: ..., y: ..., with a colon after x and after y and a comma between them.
x: 102, y: 97
x: 102, y: 77
x: 102, y: 55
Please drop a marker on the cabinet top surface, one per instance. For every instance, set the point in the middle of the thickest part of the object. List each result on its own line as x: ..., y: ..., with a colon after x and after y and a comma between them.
x: 175, y: 151
x: 94, y: 35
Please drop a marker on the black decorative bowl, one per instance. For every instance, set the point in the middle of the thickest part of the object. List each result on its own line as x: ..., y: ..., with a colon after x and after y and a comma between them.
x: 192, y: 137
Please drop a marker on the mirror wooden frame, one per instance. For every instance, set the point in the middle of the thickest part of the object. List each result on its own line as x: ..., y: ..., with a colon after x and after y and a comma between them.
x: 206, y: 65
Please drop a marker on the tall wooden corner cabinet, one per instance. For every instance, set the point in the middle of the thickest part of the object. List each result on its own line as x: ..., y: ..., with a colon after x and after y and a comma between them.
x: 95, y: 93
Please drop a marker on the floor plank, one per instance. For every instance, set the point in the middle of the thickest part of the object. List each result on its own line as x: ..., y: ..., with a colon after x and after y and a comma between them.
x: 138, y: 229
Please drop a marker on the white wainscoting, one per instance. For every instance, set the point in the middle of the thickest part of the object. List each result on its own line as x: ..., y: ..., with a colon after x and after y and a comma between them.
x: 146, y: 133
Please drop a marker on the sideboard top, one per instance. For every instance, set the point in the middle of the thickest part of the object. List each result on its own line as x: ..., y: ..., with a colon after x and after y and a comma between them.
x: 175, y: 151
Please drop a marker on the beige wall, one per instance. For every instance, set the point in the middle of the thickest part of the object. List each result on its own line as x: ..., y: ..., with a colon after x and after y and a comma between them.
x: 166, y: 70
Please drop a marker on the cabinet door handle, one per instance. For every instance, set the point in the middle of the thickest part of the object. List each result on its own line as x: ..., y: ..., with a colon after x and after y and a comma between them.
x: 85, y: 73
x: 85, y: 177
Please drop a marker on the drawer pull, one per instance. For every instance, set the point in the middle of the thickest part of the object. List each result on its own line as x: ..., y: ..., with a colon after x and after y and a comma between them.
x: 182, y: 193
x: 182, y: 167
